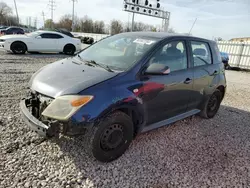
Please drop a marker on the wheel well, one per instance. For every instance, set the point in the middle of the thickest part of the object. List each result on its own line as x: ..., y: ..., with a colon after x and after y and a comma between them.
x: 135, y: 118
x: 69, y: 44
x: 222, y: 90
x: 18, y: 42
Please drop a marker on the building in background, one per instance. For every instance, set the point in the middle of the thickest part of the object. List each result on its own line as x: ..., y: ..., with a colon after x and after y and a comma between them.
x: 243, y: 39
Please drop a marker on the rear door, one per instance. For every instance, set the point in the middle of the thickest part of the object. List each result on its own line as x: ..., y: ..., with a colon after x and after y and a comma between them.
x: 166, y: 96
x: 204, y: 70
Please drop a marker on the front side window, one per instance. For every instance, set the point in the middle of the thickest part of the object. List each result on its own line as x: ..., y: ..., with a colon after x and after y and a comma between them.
x: 201, y: 53
x: 119, y: 52
x: 173, y: 55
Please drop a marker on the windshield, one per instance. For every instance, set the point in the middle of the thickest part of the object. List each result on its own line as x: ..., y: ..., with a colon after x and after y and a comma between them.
x: 32, y: 34
x: 119, y: 52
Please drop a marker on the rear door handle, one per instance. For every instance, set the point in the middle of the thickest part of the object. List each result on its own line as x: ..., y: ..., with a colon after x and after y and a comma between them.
x: 188, y: 81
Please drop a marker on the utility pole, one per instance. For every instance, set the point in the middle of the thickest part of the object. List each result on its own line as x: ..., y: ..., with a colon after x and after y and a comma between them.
x: 16, y: 12
x: 52, y: 8
x: 35, y: 22
x: 133, y: 22
x: 29, y: 21
x: 133, y: 18
x: 73, y: 15
x: 43, y: 15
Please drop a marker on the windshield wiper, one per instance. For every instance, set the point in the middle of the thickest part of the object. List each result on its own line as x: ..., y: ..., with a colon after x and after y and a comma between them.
x: 106, y: 67
x: 92, y: 62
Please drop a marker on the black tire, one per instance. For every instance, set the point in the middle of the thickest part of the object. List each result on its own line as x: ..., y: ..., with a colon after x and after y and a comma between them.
x: 18, y: 48
x: 212, y: 105
x: 226, y: 65
x: 110, y: 138
x: 69, y: 49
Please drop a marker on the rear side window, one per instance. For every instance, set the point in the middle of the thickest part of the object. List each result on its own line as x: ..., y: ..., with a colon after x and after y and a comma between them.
x: 51, y: 36
x: 217, y: 52
x: 201, y: 53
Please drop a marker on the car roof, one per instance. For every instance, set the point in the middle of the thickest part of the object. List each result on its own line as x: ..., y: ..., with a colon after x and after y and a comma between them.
x: 13, y: 27
x: 52, y: 32
x: 160, y: 35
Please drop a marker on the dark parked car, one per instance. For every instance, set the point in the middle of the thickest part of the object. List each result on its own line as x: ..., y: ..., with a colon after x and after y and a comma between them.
x: 3, y: 27
x: 110, y: 96
x: 225, y: 59
x: 12, y: 30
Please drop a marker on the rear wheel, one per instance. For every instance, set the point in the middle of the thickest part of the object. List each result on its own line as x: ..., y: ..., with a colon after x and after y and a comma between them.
x: 212, y: 105
x: 110, y: 138
x: 69, y: 49
x: 18, y: 48
x: 226, y: 65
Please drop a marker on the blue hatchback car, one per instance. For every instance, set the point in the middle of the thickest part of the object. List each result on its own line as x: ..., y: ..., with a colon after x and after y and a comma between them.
x: 110, y: 95
x: 225, y: 59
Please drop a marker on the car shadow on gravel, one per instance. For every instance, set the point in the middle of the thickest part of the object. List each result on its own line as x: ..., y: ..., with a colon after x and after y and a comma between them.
x: 39, y: 55
x: 193, y: 151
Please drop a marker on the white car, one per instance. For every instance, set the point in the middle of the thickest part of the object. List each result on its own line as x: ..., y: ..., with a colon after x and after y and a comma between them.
x: 40, y: 41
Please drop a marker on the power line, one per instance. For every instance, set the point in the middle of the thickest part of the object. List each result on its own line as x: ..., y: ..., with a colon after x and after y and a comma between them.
x: 35, y: 22
x: 52, y: 8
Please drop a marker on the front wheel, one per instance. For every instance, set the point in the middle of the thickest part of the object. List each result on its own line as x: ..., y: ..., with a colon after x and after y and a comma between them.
x: 212, y: 105
x: 18, y: 48
x: 110, y: 138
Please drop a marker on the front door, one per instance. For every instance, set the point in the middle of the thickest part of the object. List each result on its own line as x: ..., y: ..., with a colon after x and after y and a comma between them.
x: 166, y: 96
x: 45, y: 43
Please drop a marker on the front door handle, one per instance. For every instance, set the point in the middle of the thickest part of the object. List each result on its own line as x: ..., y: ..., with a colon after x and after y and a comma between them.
x: 188, y: 81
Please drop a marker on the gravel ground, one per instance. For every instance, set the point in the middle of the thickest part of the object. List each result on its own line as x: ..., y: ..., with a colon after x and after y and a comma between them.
x: 190, y: 153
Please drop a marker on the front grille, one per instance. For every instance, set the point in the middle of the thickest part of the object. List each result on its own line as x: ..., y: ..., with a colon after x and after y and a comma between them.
x: 37, y: 103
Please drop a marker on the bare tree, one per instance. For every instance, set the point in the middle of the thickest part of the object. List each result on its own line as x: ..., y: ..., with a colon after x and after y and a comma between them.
x: 126, y: 27
x: 48, y: 23
x: 65, y: 22
x: 86, y: 24
x: 99, y: 27
x: 5, y: 13
x: 116, y: 27
x: 171, y: 30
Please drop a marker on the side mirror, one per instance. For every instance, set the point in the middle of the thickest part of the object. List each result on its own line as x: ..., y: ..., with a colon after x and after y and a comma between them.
x: 157, y: 69
x: 38, y: 37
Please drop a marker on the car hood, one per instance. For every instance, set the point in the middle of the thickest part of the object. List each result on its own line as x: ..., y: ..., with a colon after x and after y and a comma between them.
x: 68, y: 76
x: 14, y: 37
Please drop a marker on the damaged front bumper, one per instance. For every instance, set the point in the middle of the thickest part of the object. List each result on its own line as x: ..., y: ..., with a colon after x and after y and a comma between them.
x: 51, y: 127
x: 33, y: 123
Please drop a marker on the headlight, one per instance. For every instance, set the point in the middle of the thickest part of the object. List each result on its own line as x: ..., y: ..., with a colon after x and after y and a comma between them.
x: 63, y: 107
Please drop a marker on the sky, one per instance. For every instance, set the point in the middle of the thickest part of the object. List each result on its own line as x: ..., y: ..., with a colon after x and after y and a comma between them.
x: 215, y: 18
